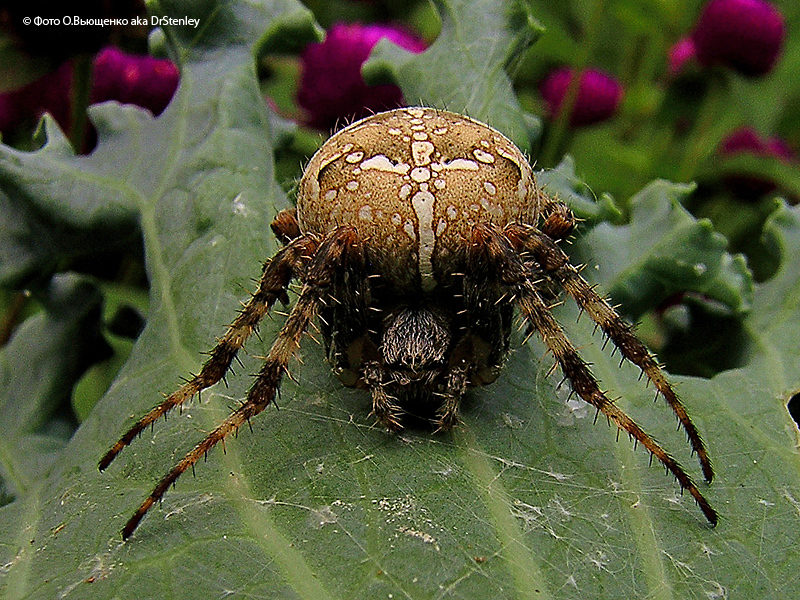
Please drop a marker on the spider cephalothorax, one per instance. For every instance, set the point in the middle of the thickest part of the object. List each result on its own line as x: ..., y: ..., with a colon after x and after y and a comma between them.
x: 417, y: 233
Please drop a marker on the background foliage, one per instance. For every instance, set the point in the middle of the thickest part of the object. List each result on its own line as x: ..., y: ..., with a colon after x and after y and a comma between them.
x: 528, y: 499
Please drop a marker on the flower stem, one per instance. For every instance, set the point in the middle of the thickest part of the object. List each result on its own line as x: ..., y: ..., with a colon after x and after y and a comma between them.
x: 698, y: 143
x: 80, y: 94
x: 556, y: 138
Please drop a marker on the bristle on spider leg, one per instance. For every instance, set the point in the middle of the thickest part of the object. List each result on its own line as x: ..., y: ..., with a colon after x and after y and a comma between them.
x: 552, y: 370
x: 527, y: 337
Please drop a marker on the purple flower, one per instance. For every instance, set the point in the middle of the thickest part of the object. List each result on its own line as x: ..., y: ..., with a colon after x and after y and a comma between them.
x: 134, y: 79
x: 747, y: 140
x: 131, y: 79
x: 599, y: 95
x: 745, y: 35
x: 681, y: 54
x: 331, y: 87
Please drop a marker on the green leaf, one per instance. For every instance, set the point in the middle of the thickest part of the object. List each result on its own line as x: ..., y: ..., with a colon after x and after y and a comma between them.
x: 38, y: 367
x: 528, y: 499
x: 563, y: 183
x: 665, y: 251
x: 57, y: 206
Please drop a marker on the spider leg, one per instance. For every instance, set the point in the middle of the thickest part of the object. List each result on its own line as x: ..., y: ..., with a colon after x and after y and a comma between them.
x: 555, y: 262
x: 315, y: 289
x: 384, y: 408
x: 285, y: 226
x: 448, y: 412
x: 558, y: 222
x: 277, y: 273
x: 486, y: 322
x: 535, y: 310
x: 231, y: 424
x: 583, y: 382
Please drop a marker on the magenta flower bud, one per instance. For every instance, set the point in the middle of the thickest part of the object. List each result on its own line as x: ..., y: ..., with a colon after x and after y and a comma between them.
x: 745, y: 35
x: 331, y: 87
x: 681, y: 54
x: 747, y: 140
x: 780, y: 149
x: 599, y: 95
x: 128, y: 78
x: 134, y: 79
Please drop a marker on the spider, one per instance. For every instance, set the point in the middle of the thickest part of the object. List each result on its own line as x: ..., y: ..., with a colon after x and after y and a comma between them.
x: 416, y: 235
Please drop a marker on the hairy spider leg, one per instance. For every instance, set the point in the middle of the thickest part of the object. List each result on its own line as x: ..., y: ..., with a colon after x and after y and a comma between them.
x: 555, y: 262
x: 488, y: 310
x: 285, y: 225
x: 345, y: 325
x: 314, y: 293
x: 558, y: 222
x: 447, y: 415
x: 535, y: 310
x: 384, y: 406
x: 278, y: 272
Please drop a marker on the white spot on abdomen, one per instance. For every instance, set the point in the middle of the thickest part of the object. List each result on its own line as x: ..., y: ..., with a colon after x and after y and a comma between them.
x: 522, y: 190
x: 408, y: 227
x: 422, y: 202
x: 493, y: 209
x: 461, y: 164
x: 420, y: 174
x: 379, y: 162
x: 354, y: 157
x: 421, y: 152
x: 365, y: 213
x: 483, y: 156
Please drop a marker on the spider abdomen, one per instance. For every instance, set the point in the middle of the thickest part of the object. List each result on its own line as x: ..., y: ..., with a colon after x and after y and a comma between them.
x: 414, y: 182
